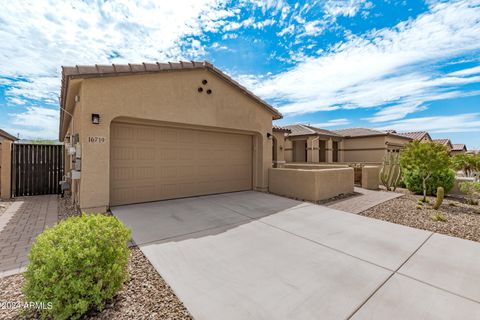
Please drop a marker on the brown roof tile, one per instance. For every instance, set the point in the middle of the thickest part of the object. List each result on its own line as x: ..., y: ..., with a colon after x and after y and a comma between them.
x: 418, y: 135
x: 281, y: 129
x: 365, y: 132
x: 459, y: 147
x: 306, y: 130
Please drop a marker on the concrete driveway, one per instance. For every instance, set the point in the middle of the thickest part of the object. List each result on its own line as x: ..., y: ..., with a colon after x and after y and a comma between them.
x: 250, y: 255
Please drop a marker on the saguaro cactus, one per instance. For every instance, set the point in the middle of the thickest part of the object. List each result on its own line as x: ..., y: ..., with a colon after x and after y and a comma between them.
x: 390, y: 171
x: 440, y: 195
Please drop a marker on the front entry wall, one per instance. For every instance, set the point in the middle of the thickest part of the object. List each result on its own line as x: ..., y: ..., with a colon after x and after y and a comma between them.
x: 150, y: 163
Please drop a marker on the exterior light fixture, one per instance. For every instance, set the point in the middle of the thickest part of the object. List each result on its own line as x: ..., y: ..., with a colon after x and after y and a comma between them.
x: 95, y: 118
x: 269, y: 136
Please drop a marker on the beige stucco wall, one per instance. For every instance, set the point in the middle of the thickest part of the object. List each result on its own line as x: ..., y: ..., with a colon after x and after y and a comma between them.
x: 164, y: 99
x: 311, y: 184
x: 370, y: 149
x: 280, y: 148
x: 312, y: 146
x: 313, y: 166
x: 5, y: 169
x: 370, y: 177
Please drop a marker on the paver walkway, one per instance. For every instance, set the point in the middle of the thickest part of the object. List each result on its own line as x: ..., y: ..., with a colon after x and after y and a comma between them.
x: 363, y: 200
x: 20, y: 224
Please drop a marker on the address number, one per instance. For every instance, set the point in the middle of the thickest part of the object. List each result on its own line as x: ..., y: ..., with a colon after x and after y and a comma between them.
x: 96, y: 139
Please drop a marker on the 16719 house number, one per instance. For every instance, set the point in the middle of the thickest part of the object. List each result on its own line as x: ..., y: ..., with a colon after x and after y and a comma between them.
x: 96, y: 139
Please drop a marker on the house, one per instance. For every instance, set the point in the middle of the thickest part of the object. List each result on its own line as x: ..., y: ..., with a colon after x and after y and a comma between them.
x: 458, y: 148
x: 421, y: 136
x: 146, y: 132
x: 446, y: 142
x: 309, y: 144
x: 363, y: 145
x: 6, y: 141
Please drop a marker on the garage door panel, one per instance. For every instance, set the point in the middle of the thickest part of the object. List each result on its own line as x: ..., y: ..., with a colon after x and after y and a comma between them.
x: 155, y: 163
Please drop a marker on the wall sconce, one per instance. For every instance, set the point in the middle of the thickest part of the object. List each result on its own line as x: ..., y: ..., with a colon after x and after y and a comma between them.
x: 95, y: 118
x: 269, y: 136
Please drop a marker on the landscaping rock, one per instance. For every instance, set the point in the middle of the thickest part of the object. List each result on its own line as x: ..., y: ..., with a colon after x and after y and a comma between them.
x: 462, y: 220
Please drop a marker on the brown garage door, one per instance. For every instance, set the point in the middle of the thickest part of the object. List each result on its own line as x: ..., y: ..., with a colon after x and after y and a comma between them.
x: 150, y: 163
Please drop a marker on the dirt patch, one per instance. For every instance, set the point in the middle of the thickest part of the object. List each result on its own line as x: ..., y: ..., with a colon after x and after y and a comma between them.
x: 462, y: 220
x: 145, y: 296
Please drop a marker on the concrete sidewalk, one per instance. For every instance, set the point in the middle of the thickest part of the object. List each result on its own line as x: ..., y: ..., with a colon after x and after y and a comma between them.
x: 251, y: 255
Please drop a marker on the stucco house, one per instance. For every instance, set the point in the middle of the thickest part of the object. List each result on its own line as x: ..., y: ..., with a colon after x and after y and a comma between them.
x: 446, y: 142
x: 309, y: 144
x: 458, y: 148
x: 364, y: 145
x: 145, y: 132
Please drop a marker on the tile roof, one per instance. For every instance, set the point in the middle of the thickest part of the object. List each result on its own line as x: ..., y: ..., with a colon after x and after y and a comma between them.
x: 80, y: 72
x: 7, y: 135
x: 459, y: 147
x: 366, y: 132
x: 417, y: 135
x: 281, y: 129
x: 445, y: 142
x: 306, y: 130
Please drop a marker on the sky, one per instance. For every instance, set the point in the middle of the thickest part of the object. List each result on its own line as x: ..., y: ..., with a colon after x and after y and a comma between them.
x: 405, y: 65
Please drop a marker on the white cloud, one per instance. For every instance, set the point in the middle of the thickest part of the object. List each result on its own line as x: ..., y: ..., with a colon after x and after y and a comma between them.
x: 36, y: 122
x: 466, y: 72
x: 383, y: 68
x: 347, y: 8
x: 396, y: 112
x: 332, y: 123
x: 468, y: 122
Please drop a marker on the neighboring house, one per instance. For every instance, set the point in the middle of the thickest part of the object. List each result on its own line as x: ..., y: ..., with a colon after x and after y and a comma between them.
x: 6, y: 136
x: 312, y: 145
x: 6, y: 141
x: 363, y: 145
x: 458, y: 148
x: 147, y: 132
x: 421, y: 136
x: 446, y: 142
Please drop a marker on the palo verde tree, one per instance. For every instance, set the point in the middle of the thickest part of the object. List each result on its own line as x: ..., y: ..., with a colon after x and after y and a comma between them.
x: 425, y: 158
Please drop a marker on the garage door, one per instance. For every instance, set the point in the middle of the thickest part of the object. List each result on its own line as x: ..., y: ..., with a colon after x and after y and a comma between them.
x: 150, y: 163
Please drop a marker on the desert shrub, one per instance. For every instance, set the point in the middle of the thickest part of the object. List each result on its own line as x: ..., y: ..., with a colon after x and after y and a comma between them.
x: 468, y: 163
x: 425, y: 161
x: 472, y: 189
x: 444, y: 178
x: 77, y: 265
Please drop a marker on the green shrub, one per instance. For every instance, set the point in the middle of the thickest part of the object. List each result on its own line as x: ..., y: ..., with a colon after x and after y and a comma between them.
x: 472, y: 189
x: 444, y: 178
x: 77, y: 265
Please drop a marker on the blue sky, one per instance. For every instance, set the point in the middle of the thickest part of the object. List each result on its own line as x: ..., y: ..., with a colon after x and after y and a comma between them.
x: 386, y: 64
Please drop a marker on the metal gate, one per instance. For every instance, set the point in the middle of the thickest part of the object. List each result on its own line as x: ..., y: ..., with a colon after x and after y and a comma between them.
x: 36, y: 169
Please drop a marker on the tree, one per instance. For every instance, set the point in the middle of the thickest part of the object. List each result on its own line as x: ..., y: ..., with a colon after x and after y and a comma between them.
x: 468, y: 163
x: 426, y: 158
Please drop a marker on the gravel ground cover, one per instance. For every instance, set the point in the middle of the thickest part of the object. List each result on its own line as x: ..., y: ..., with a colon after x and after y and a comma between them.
x: 462, y: 220
x: 145, y: 295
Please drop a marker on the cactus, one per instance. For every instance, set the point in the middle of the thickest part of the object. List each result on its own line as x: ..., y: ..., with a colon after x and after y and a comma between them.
x: 390, y: 171
x: 440, y: 195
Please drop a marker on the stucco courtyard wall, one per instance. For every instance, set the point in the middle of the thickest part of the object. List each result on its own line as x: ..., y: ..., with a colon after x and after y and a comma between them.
x: 311, y: 184
x: 168, y: 99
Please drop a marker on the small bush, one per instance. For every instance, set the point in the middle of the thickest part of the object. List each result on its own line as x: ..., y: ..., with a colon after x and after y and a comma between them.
x: 439, y: 217
x: 77, y: 265
x: 444, y: 179
x: 472, y: 189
